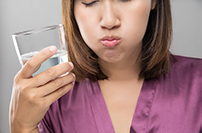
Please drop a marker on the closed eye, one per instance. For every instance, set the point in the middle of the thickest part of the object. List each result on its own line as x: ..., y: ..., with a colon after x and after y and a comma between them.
x: 125, y: 0
x: 89, y: 4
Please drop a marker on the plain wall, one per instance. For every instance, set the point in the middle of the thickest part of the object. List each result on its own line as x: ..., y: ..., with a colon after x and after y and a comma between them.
x: 15, y: 16
x: 19, y: 15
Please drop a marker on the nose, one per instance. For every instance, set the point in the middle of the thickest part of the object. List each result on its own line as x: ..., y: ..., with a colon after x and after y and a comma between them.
x: 110, y: 18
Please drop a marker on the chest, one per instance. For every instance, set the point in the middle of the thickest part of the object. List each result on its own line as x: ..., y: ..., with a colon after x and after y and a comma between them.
x: 158, y: 110
x: 121, y: 102
x: 121, y: 114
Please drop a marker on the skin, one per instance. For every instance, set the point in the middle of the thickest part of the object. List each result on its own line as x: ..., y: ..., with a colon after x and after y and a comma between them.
x: 32, y: 96
x: 128, y: 20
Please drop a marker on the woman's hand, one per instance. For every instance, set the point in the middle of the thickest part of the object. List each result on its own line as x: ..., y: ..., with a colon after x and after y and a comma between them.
x: 32, y: 96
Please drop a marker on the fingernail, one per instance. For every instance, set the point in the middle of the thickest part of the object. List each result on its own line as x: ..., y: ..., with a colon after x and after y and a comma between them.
x: 53, y: 49
x: 74, y: 78
x: 74, y: 75
x: 71, y: 64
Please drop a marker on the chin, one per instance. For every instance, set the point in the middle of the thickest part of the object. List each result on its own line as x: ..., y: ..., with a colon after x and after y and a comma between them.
x: 112, y: 59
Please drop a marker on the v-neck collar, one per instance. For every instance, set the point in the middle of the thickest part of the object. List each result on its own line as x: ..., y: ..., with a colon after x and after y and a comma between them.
x: 140, y: 116
x: 143, y: 107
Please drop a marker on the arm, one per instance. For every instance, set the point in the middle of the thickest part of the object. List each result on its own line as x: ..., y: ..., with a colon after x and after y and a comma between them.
x: 18, y: 129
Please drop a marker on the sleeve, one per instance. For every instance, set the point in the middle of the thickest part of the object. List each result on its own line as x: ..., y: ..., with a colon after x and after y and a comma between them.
x: 45, y: 125
x: 51, y: 123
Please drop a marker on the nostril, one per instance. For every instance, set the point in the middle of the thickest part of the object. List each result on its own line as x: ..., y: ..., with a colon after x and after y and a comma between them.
x: 110, y: 23
x: 109, y: 17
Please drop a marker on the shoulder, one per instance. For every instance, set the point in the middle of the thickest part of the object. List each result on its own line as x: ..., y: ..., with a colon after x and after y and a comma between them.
x: 184, y: 79
x: 178, y: 94
x: 183, y: 61
x: 186, y: 66
x: 185, y: 76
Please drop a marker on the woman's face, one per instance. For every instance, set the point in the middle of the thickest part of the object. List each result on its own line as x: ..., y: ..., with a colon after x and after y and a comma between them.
x: 113, y: 29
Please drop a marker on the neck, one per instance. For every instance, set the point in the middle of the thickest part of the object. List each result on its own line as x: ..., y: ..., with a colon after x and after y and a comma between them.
x: 123, y: 70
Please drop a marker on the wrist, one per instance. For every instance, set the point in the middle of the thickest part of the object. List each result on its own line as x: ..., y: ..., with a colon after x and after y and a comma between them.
x: 24, y: 130
x: 17, y: 128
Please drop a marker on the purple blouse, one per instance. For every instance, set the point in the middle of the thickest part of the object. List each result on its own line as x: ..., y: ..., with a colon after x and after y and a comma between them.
x: 170, y: 104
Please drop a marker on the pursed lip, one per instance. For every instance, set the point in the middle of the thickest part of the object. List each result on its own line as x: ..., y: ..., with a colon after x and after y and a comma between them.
x: 110, y: 41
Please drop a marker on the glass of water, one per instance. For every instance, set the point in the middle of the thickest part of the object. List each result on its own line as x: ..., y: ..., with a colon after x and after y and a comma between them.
x: 29, y: 43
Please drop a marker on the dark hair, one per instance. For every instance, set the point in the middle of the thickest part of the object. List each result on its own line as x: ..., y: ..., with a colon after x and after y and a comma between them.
x: 155, y: 56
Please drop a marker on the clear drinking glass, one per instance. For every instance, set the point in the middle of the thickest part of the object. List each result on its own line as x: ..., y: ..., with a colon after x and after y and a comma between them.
x: 29, y: 43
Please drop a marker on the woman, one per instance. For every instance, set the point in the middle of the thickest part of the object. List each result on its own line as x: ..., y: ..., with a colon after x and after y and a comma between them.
x: 126, y: 78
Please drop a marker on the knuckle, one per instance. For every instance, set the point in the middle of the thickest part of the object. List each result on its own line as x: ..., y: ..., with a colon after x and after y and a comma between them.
x: 58, y: 82
x: 30, y: 63
x: 61, y: 91
x: 51, y: 71
x: 22, y: 88
x: 16, y: 78
x: 31, y: 97
x: 65, y: 89
x: 43, y: 53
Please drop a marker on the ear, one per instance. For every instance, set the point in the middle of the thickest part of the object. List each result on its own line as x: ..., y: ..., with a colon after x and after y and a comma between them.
x: 153, y: 4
